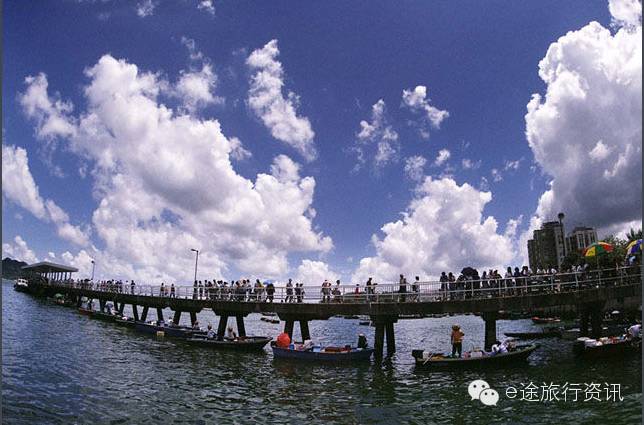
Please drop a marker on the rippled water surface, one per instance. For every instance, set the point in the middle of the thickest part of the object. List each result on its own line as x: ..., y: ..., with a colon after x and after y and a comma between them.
x: 60, y: 367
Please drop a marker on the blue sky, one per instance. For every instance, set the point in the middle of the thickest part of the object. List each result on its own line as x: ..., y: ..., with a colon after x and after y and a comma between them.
x: 477, y: 60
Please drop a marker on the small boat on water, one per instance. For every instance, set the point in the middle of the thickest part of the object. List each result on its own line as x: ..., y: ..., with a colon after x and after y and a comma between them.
x: 473, y: 359
x: 351, y: 317
x: 21, y: 285
x: 127, y: 322
x: 248, y: 343
x: 545, y: 320
x: 545, y: 333
x: 322, y: 354
x: 99, y: 315
x: 168, y: 330
x: 606, y: 347
x: 269, y: 319
x: 364, y: 322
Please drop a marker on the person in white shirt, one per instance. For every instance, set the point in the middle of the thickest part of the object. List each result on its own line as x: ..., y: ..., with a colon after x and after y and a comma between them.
x: 499, y: 348
x: 230, y: 333
x: 211, y: 333
x: 635, y: 331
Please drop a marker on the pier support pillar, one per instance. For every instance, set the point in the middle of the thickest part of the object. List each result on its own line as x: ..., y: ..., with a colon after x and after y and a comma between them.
x: 583, y: 324
x: 144, y: 314
x: 241, y: 329
x: 160, y: 314
x: 384, y: 328
x: 101, y: 305
x: 116, y: 304
x: 304, y: 329
x: 391, y: 340
x: 78, y: 301
x: 121, y: 308
x: 288, y: 327
x: 177, y: 317
x: 223, y: 322
x: 596, y: 318
x: 380, y: 339
x: 490, y: 330
x: 193, y: 318
x: 135, y: 312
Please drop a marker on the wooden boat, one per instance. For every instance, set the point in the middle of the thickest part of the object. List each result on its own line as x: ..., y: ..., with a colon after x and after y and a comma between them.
x: 173, y: 330
x: 269, y: 319
x: 85, y: 311
x: 545, y: 333
x: 99, y: 315
x: 323, y: 354
x: 545, y: 320
x: 519, y: 354
x: 249, y: 343
x: 614, y: 347
x: 128, y: 322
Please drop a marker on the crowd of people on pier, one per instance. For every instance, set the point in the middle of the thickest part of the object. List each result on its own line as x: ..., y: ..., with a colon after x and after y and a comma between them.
x: 469, y: 283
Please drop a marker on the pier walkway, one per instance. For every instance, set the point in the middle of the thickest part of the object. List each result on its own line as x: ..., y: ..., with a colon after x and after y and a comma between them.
x: 586, y: 292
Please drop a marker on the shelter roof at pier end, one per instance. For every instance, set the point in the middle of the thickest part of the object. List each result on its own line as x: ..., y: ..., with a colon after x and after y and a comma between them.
x: 45, y: 267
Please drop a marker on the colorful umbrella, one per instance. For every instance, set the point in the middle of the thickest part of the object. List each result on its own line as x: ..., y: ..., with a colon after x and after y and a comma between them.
x: 598, y: 248
x: 634, y: 247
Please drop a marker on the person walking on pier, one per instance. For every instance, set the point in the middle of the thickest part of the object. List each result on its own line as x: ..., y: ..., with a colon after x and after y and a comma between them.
x: 200, y: 290
x: 457, y: 340
x: 132, y: 287
x: 289, y: 291
x: 416, y: 289
x: 172, y: 293
x: 194, y: 291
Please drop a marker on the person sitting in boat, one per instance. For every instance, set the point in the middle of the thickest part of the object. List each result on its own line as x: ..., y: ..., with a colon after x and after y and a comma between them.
x: 499, y: 348
x: 230, y: 333
x: 457, y: 340
x: 195, y: 325
x: 635, y: 331
x: 362, y: 341
x: 211, y: 332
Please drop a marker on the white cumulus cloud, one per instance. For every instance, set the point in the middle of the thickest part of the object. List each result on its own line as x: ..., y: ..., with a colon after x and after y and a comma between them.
x: 18, y: 250
x: 277, y: 112
x: 376, y: 139
x: 165, y: 184
x: 442, y: 229
x: 417, y: 100
x: 443, y: 155
x: 414, y: 167
x: 18, y: 186
x: 313, y: 273
x: 586, y: 131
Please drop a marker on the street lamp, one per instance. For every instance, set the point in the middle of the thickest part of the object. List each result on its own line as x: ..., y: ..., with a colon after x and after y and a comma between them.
x: 196, y: 261
x: 93, y: 266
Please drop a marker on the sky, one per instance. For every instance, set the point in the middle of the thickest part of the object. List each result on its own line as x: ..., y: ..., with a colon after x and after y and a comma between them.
x: 314, y: 140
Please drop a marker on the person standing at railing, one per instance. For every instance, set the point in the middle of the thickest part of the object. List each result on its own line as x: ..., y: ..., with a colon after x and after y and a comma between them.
x: 416, y: 289
x: 270, y: 292
x: 299, y: 292
x: 402, y: 288
x: 172, y: 291
x: 508, y: 281
x: 289, y: 291
x: 132, y: 287
x: 451, y: 285
x: 326, y: 291
x: 444, y: 281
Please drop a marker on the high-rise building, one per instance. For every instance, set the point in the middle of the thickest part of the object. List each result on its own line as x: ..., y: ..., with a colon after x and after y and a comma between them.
x: 580, y: 238
x: 547, y: 248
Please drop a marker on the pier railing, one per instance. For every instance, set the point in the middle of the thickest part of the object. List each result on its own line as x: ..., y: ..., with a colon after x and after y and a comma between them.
x: 419, y: 291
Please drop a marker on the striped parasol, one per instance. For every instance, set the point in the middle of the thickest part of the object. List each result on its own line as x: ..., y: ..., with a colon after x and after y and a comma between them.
x: 634, y: 247
x: 598, y: 248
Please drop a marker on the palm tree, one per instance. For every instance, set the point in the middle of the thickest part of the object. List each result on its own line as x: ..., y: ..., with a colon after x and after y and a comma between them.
x: 632, y: 235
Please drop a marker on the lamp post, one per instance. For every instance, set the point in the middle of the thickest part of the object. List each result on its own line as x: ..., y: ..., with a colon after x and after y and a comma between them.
x: 93, y: 267
x: 196, y: 261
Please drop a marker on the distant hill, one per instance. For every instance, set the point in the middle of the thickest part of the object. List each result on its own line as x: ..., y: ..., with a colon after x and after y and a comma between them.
x: 12, y: 269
